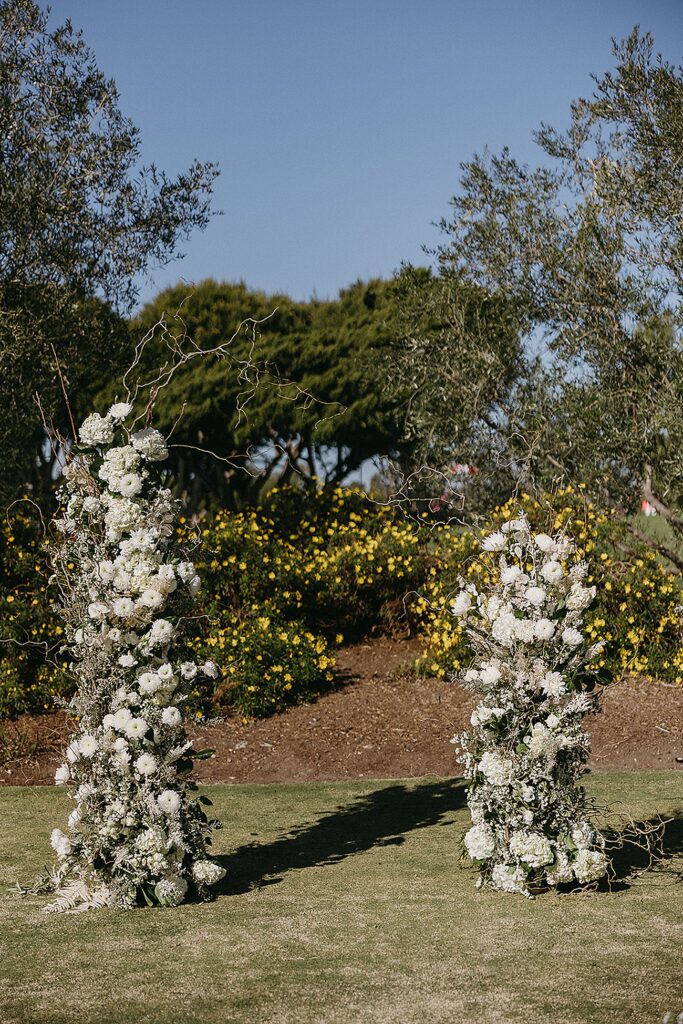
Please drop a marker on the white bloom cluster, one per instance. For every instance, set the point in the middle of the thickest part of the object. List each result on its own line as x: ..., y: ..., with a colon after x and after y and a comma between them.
x: 138, y: 831
x: 527, y: 751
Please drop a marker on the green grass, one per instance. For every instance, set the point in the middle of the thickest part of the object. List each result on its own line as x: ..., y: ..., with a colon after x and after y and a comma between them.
x: 346, y: 902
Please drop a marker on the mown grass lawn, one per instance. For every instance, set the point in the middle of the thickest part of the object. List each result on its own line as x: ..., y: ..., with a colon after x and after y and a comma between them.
x: 346, y: 902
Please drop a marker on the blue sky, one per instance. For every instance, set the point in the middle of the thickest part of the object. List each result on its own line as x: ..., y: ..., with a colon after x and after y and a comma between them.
x: 339, y: 125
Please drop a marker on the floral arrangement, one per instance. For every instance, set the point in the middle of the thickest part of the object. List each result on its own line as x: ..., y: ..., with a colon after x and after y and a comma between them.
x: 526, y: 751
x: 138, y: 831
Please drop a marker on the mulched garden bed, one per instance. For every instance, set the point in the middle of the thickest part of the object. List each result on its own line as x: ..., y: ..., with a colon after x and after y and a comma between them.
x: 379, y: 722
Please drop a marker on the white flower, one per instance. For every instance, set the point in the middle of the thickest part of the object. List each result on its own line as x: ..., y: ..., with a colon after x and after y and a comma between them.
x: 170, y: 891
x: 480, y: 842
x: 561, y: 871
x: 120, y: 410
x: 552, y: 572
x: 489, y: 675
x: 149, y: 682
x: 494, y: 542
x: 62, y: 775
x: 120, y: 743
x: 462, y: 603
x: 544, y: 542
x: 525, y: 630
x: 151, y: 599
x: 514, y: 525
x: 165, y: 672
x: 544, y: 629
x: 127, y: 661
x: 542, y: 742
x: 508, y: 878
x: 136, y: 728
x: 188, y: 670
x: 123, y: 607
x: 169, y: 801
x: 553, y: 684
x: 129, y: 485
x: 91, y: 505
x: 504, y: 629
x: 186, y: 571
x: 589, y: 865
x: 535, y: 596
x: 532, y: 848
x: 510, y: 574
x: 72, y: 752
x: 207, y: 872
x: 210, y: 669
x: 151, y: 444
x: 498, y: 770
x: 160, y: 634
x: 580, y: 597
x: 98, y: 611
x: 146, y: 764
x: 96, y: 431
x: 171, y: 716
x: 61, y: 844
x: 88, y: 745
x: 572, y: 637
x: 122, y: 717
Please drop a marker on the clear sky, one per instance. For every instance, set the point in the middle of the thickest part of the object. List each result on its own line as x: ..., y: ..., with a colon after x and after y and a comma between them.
x: 339, y: 125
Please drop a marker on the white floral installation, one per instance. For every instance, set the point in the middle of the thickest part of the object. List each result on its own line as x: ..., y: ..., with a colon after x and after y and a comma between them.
x: 138, y: 832
x: 526, y: 752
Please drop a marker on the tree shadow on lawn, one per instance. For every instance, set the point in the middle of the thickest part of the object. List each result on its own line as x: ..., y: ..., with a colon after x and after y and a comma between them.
x: 645, y: 846
x: 380, y: 818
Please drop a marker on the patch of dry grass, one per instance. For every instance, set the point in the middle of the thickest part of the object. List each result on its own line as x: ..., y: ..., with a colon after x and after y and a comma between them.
x: 346, y: 902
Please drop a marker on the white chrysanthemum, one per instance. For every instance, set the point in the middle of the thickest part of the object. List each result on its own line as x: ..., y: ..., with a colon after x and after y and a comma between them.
x: 589, y: 865
x: 160, y: 634
x: 497, y: 770
x: 535, y: 596
x: 129, y: 485
x: 494, y: 542
x: 151, y: 444
x: 149, y: 682
x: 461, y: 604
x: 60, y: 843
x: 123, y: 607
x: 88, y: 745
x: 504, y: 629
x: 553, y: 684
x: 532, y: 848
x: 510, y: 574
x: 169, y: 801
x: 552, y: 571
x: 119, y: 410
x: 480, y: 842
x: 544, y: 629
x: 146, y: 764
x: 122, y: 717
x: 96, y: 431
x: 207, y: 872
x: 171, y: 716
x: 544, y: 543
x: 136, y: 728
x: 572, y: 637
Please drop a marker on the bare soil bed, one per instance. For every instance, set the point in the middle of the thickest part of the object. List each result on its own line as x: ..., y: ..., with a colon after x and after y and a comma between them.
x: 378, y: 722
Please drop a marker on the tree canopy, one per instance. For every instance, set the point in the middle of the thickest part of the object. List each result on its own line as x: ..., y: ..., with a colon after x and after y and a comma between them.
x: 79, y: 221
x: 297, y: 395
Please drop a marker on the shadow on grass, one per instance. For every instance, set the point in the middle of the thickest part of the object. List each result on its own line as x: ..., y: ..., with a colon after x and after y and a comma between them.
x: 645, y: 846
x: 380, y: 818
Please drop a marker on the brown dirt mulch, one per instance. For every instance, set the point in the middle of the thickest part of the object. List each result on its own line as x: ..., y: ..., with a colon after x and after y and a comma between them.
x: 380, y: 723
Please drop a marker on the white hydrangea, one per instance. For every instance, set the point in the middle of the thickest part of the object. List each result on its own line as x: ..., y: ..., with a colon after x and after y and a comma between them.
x: 96, y: 431
x: 151, y: 444
x: 207, y: 872
x: 60, y: 843
x: 532, y: 848
x: 498, y: 770
x: 480, y: 842
x: 589, y: 865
